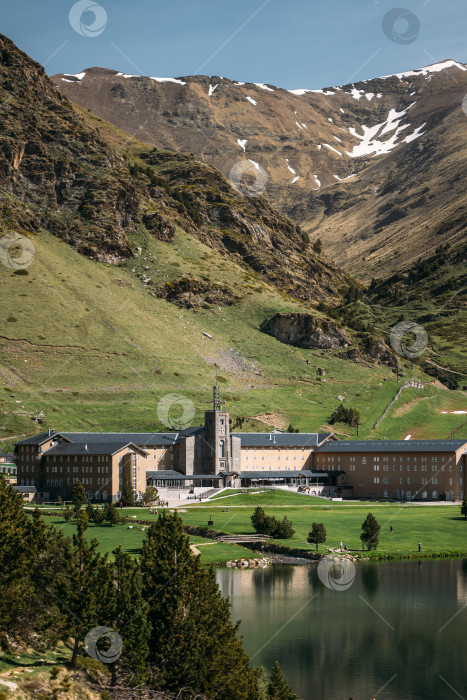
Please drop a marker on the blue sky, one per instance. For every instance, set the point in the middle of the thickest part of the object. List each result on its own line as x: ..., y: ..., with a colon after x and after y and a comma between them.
x: 289, y: 43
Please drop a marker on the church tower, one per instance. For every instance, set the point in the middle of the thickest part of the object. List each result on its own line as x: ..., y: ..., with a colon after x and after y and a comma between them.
x: 216, y: 447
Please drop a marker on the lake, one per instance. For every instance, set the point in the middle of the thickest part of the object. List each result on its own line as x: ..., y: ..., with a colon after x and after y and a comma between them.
x: 392, y: 630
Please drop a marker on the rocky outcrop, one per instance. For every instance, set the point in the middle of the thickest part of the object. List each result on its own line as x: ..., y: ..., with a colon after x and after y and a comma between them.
x: 305, y: 331
x: 194, y: 293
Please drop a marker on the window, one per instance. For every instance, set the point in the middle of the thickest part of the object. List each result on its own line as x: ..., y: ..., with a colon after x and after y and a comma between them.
x: 222, y: 449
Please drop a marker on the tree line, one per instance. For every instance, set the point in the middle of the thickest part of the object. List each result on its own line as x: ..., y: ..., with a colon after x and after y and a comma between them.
x: 173, y: 625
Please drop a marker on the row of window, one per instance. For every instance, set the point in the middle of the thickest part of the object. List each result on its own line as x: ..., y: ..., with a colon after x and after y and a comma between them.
x: 425, y: 480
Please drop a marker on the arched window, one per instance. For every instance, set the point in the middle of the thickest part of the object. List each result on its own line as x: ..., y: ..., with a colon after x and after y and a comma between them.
x: 408, y: 495
x: 424, y: 494
x: 386, y: 494
x: 434, y: 495
x: 221, y: 449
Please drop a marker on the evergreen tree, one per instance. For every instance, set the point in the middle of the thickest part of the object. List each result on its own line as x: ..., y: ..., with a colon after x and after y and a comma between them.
x: 282, y: 529
x: 259, y: 520
x: 128, y: 495
x: 78, y: 496
x: 15, y: 584
x: 318, y: 246
x: 128, y: 617
x: 464, y: 508
x: 82, y: 588
x: 110, y: 514
x: 278, y: 688
x: 193, y: 642
x: 317, y: 535
x: 150, y: 495
x: 370, y: 532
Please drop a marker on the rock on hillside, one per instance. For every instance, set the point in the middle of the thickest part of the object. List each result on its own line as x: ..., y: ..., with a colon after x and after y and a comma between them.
x: 305, y: 331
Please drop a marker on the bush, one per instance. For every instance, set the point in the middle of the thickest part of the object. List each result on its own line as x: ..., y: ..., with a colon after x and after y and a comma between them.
x: 268, y: 525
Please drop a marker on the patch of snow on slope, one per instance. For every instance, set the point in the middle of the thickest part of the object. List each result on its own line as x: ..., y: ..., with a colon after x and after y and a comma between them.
x: 250, y: 99
x: 357, y: 94
x: 342, y: 110
x: 302, y: 91
x: 167, y: 80
x: 435, y: 68
x: 319, y: 147
x: 239, y: 83
x: 337, y: 139
x: 330, y: 120
x: 78, y: 76
x: 211, y: 89
x: 371, y: 142
x: 318, y: 182
x: 263, y: 86
x: 299, y: 126
x: 331, y: 148
x: 341, y: 179
x: 295, y: 179
x: 242, y: 143
x: 291, y: 169
x: 257, y: 166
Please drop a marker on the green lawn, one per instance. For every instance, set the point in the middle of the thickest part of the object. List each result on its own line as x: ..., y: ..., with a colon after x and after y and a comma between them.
x: 269, y: 498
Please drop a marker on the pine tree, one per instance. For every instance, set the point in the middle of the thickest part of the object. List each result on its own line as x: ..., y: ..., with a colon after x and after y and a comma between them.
x: 111, y: 515
x: 82, y: 587
x: 15, y: 583
x: 193, y: 641
x: 128, y: 617
x: 150, y: 495
x: 128, y: 495
x: 258, y: 520
x: 370, y: 532
x: 78, y: 496
x: 278, y: 688
x: 317, y: 535
x: 464, y: 508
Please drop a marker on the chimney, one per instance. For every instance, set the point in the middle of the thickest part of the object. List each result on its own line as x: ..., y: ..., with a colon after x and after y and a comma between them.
x: 85, y: 447
x: 51, y: 431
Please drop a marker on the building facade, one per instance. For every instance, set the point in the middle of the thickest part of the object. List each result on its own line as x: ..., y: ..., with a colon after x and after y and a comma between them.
x: 210, y: 456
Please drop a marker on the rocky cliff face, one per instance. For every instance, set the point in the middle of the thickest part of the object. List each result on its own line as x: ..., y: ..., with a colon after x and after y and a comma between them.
x: 359, y: 165
x: 58, y: 173
x: 305, y: 331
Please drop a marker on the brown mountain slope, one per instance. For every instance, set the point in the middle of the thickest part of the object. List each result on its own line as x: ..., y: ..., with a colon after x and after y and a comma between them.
x: 396, y: 138
x: 58, y: 173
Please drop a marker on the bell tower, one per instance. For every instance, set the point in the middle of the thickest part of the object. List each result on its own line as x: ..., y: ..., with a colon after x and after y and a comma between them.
x: 216, y: 445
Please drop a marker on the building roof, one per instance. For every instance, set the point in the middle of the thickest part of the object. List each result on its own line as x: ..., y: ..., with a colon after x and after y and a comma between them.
x: 38, y: 439
x: 393, y: 446
x: 7, y: 455
x: 25, y: 489
x: 170, y: 474
x: 96, y: 448
x: 135, y: 438
x: 282, y: 439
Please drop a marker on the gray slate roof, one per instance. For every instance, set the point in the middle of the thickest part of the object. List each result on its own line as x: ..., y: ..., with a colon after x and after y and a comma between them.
x: 136, y: 438
x: 36, y: 439
x: 393, y: 446
x: 96, y: 448
x: 25, y: 489
x: 281, y: 439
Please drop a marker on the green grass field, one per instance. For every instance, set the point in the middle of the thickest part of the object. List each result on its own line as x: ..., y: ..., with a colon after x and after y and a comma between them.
x: 438, y: 528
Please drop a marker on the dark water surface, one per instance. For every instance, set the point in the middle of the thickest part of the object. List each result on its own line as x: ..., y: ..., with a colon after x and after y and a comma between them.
x: 399, y: 631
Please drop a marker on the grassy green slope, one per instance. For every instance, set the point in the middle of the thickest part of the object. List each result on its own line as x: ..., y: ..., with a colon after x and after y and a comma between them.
x: 89, y: 346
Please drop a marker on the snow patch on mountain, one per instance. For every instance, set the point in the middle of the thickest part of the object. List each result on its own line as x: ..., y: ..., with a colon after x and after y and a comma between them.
x: 371, y: 143
x: 250, y: 99
x: 168, y: 80
x: 242, y: 143
x: 435, y: 68
x: 296, y: 179
x: 211, y: 89
x: 264, y: 87
x: 291, y: 169
x: 331, y: 148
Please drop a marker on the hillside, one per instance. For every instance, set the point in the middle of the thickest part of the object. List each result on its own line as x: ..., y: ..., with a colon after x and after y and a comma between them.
x: 361, y: 163
x: 139, y: 286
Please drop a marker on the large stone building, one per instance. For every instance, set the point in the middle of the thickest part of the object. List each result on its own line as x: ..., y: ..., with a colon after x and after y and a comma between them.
x: 210, y: 456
